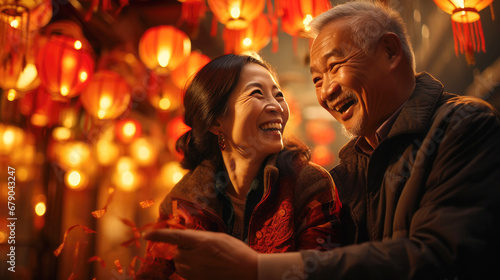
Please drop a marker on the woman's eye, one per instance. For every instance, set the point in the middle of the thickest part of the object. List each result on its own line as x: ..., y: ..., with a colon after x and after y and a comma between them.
x: 256, y: 92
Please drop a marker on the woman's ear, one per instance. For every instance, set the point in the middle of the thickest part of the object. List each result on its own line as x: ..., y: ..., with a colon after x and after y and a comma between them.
x: 215, y: 128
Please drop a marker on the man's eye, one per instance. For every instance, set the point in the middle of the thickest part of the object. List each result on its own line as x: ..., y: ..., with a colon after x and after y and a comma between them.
x: 331, y: 66
x: 280, y: 94
x: 316, y: 80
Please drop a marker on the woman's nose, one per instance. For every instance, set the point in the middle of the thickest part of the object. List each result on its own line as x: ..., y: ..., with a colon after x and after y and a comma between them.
x: 274, y: 106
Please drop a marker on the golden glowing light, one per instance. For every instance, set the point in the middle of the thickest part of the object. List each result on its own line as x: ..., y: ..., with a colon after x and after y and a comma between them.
x: 11, y: 94
x: 129, y: 129
x: 107, y: 152
x: 124, y: 164
x: 78, y: 45
x: 235, y: 12
x: 3, y: 237
x: 40, y: 208
x: 14, y: 23
x: 83, y: 76
x: 171, y: 173
x: 163, y: 57
x: 247, y: 42
x: 74, y: 179
x: 61, y: 133
x: 64, y: 90
x: 164, y: 103
x: 39, y: 119
x: 105, y: 101
x: 27, y: 76
x: 8, y: 137
x: 307, y: 20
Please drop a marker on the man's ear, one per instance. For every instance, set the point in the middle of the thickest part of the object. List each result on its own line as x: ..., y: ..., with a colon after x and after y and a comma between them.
x: 215, y: 128
x: 392, y: 48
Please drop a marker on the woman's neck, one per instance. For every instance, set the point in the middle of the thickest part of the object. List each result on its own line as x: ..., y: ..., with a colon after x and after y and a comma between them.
x: 242, y: 171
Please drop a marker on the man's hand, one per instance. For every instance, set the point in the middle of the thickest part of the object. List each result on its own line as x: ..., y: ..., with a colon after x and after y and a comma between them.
x: 209, y: 255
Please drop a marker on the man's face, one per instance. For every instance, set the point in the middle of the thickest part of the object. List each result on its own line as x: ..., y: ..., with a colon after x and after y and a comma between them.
x: 349, y: 84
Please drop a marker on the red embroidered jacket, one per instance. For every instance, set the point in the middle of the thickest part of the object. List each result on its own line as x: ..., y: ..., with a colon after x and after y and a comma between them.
x: 293, y: 214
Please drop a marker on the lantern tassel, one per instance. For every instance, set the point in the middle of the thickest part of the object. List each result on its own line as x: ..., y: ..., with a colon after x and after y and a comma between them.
x: 492, y: 11
x: 481, y: 35
x: 455, y: 37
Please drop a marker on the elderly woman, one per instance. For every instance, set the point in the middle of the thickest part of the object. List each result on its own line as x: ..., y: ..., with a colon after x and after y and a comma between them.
x: 245, y: 178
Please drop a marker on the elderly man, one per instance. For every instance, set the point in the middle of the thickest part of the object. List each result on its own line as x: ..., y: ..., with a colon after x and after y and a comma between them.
x: 419, y: 181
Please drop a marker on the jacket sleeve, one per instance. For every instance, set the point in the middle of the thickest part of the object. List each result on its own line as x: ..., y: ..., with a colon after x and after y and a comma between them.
x: 454, y: 231
x: 318, y: 208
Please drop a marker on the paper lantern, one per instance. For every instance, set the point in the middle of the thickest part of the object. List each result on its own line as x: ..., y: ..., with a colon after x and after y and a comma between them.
x: 297, y: 14
x: 18, y: 72
x: 175, y: 129
x: 106, y: 96
x: 253, y: 38
x: 466, y: 23
x: 184, y: 72
x: 64, y: 67
x: 192, y: 12
x: 163, y: 94
x: 163, y: 48
x: 128, y: 129
x: 42, y: 108
x: 236, y: 14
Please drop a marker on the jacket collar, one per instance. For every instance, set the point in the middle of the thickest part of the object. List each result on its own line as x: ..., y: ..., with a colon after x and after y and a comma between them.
x: 199, y: 186
x: 416, y: 113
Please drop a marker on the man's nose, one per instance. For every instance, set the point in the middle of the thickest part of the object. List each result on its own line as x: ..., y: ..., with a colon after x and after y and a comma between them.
x: 328, y: 88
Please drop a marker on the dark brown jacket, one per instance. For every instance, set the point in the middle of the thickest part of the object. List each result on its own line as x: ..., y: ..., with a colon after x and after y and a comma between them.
x: 426, y: 204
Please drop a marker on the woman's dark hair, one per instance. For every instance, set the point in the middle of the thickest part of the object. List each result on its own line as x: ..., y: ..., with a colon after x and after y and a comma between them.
x: 205, y: 100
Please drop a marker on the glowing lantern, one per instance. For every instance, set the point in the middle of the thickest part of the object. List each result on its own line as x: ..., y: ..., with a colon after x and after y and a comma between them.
x: 41, y: 107
x: 320, y: 131
x: 192, y: 12
x: 321, y: 155
x: 106, y: 152
x: 170, y: 174
x: 175, y: 128
x: 143, y: 151
x: 296, y: 15
x: 107, y: 95
x: 253, y: 38
x: 76, y: 180
x: 18, y: 73
x: 163, y: 94
x: 128, y: 129
x: 163, y: 48
x: 184, y: 72
x: 236, y: 14
x: 125, y: 175
x: 72, y: 155
x: 467, y: 28
x: 11, y: 138
x: 64, y: 67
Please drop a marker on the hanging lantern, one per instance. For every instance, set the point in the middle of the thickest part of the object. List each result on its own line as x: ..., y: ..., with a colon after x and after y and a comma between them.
x: 236, y: 14
x: 163, y: 48
x: 17, y: 70
x: 467, y: 28
x: 64, y: 67
x: 128, y: 130
x: 106, y: 96
x: 42, y: 108
x: 296, y: 15
x: 184, y: 72
x: 163, y: 94
x: 253, y: 38
x: 175, y: 129
x: 192, y: 12
x: 322, y: 155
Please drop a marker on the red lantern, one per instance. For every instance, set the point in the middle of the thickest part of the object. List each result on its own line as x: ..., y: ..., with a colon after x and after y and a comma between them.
x: 107, y: 95
x: 236, y: 14
x: 467, y: 28
x: 41, y: 107
x: 175, y: 129
x: 163, y: 48
x: 192, y: 12
x: 253, y: 38
x: 128, y: 129
x: 163, y: 94
x: 183, y: 73
x: 64, y: 67
x: 297, y: 14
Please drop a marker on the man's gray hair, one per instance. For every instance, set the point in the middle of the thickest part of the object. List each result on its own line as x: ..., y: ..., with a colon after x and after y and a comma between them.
x: 368, y: 22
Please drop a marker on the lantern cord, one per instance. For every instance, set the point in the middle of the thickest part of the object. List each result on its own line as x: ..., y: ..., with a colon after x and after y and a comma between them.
x: 481, y: 35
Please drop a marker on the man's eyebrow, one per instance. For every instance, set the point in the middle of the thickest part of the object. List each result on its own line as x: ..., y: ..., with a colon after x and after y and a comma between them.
x: 334, y: 52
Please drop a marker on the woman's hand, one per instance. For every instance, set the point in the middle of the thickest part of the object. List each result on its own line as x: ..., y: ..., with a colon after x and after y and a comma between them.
x: 209, y: 255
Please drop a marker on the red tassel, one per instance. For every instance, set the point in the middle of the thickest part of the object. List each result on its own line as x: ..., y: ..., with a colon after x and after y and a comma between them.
x: 213, y: 32
x: 481, y: 35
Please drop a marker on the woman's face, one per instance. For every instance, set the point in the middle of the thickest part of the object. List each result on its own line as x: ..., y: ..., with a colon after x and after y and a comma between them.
x: 256, y: 114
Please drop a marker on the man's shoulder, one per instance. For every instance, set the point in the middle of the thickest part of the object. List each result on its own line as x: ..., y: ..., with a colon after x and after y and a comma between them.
x: 454, y: 107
